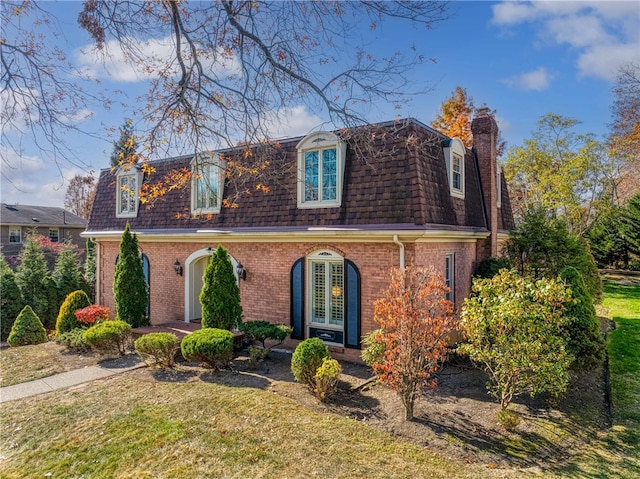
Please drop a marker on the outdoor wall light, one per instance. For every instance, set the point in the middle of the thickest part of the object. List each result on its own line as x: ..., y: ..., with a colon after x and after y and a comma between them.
x: 178, y: 268
x: 242, y: 273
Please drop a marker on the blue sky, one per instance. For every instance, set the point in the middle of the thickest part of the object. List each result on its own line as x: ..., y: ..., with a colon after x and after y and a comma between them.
x: 522, y: 59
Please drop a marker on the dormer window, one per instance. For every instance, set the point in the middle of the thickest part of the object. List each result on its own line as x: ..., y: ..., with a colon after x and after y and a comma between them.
x: 128, y: 184
x: 321, y: 159
x: 454, y: 151
x: 207, y: 185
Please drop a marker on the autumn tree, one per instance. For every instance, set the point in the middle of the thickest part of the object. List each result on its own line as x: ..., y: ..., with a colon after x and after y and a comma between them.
x: 80, y: 195
x: 219, y: 73
x: 561, y: 171
x: 513, y: 328
x: 454, y: 118
x: 125, y: 149
x: 415, y: 321
x: 129, y: 284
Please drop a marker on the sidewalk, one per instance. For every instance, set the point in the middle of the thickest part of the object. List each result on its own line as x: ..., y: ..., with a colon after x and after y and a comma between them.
x: 105, y: 369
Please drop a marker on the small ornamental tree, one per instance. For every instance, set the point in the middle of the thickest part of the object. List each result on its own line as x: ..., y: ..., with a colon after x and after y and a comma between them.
x: 582, y: 332
x: 129, y: 284
x: 31, y: 274
x: 27, y: 329
x: 513, y: 326
x: 90, y: 269
x: 415, y: 321
x: 220, y: 295
x: 67, y: 320
x: 66, y: 273
x: 11, y: 302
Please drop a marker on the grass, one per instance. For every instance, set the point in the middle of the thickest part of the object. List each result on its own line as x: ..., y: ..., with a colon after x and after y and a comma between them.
x: 122, y: 428
x: 26, y: 363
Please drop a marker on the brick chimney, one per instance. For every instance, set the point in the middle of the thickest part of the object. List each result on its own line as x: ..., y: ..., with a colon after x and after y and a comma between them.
x: 485, y: 138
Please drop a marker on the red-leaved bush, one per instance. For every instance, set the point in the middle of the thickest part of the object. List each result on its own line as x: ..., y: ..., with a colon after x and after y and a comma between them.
x: 93, y: 314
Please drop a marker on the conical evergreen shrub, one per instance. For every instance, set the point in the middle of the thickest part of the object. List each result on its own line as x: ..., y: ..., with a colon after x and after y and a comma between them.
x: 66, y: 317
x: 11, y: 302
x: 220, y: 295
x: 129, y: 284
x: 27, y: 329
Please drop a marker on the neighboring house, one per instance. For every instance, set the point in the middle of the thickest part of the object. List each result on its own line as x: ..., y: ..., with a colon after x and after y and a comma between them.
x: 318, y: 247
x: 57, y: 224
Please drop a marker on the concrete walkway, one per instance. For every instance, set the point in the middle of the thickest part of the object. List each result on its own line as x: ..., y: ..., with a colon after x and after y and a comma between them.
x: 105, y: 369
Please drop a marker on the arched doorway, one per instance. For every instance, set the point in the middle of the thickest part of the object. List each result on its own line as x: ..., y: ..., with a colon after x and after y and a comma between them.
x: 195, y: 266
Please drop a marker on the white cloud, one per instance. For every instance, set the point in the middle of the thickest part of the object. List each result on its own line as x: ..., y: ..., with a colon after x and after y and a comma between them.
x: 535, y: 80
x: 295, y: 121
x: 604, y: 35
x: 151, y: 59
x: 29, y: 180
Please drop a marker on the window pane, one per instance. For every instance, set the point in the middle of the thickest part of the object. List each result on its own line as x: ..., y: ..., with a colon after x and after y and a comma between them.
x: 54, y: 235
x: 318, y: 313
x: 311, y: 176
x: 457, y: 172
x: 337, y: 294
x: 329, y: 167
x: 15, y: 234
x: 133, y: 190
x: 212, y: 184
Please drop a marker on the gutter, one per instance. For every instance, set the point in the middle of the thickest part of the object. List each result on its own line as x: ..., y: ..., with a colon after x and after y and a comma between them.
x: 401, y: 245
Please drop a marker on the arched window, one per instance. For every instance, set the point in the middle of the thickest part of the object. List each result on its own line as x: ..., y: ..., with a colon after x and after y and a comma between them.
x: 325, y: 299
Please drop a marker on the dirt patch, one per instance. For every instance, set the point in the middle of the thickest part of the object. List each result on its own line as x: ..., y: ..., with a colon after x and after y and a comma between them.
x: 458, y: 418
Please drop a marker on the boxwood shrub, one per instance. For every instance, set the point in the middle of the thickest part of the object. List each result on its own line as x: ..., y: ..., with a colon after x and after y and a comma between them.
x: 306, y: 360
x: 157, y: 348
x: 109, y: 337
x: 210, y: 346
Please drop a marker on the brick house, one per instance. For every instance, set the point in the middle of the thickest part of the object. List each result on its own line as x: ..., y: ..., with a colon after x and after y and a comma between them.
x: 316, y: 248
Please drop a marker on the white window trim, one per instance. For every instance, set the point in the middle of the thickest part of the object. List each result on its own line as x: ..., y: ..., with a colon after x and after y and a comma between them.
x: 455, y: 148
x: 321, y: 140
x: 213, y: 159
x: 499, y: 187
x: 128, y: 171
x: 330, y: 256
x: 58, y: 235
x: 15, y: 228
x: 450, y: 279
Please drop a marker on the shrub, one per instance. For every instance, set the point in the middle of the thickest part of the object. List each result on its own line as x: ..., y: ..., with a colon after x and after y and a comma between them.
x: 92, y: 314
x: 513, y: 326
x: 158, y: 348
x: 582, y: 333
x: 11, y: 302
x: 306, y: 360
x: 74, y: 340
x: 211, y: 346
x: 489, y: 267
x: 66, y: 273
x: 129, y: 284
x: 374, y: 348
x: 27, y: 329
x: 109, y: 337
x: 257, y: 355
x: 66, y: 317
x: 31, y: 275
x: 263, y: 330
x: 326, y: 379
x: 220, y: 295
x: 508, y: 419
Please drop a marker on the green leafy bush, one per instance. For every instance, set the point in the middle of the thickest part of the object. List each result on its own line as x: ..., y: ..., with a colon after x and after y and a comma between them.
x: 584, y: 339
x: 489, y: 267
x: 257, y: 355
x: 109, y: 337
x: 263, y: 330
x: 158, y: 348
x: 306, y: 360
x: 74, y: 340
x: 326, y: 379
x: 374, y: 348
x: 211, y: 346
x: 11, y: 301
x: 67, y: 320
x: 27, y: 329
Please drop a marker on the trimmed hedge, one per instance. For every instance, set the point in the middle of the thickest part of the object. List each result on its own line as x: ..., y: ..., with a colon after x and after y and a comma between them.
x: 110, y: 336
x: 210, y: 346
x: 27, y: 329
x: 157, y: 348
x: 307, y: 358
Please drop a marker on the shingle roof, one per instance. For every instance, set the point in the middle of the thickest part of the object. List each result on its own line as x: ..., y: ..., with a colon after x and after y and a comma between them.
x: 407, y: 186
x: 27, y: 215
